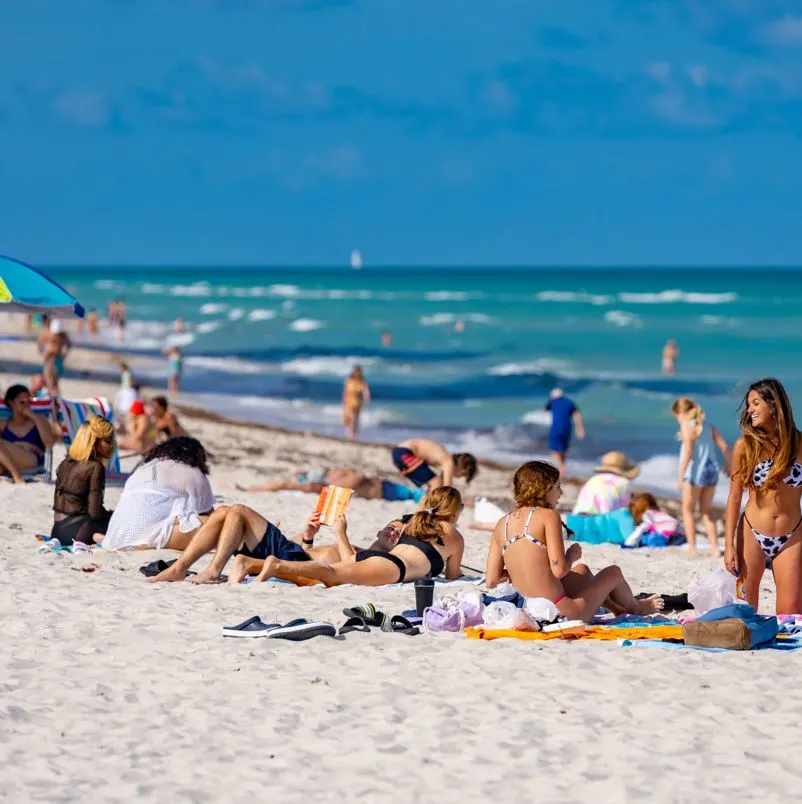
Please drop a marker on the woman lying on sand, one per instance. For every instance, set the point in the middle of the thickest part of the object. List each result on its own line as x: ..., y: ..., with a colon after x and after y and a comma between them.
x: 528, y: 543
x: 430, y: 544
x: 313, y: 481
x: 767, y: 462
x: 165, y: 501
x: 25, y: 438
x: 242, y: 532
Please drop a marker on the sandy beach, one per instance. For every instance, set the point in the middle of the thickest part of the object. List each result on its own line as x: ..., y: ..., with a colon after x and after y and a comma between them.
x: 115, y: 689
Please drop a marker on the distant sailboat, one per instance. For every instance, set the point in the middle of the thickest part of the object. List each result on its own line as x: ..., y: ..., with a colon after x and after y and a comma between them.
x: 356, y: 260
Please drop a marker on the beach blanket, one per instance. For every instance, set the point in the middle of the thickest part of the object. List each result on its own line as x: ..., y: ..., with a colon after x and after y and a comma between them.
x: 600, y: 632
x: 781, y: 642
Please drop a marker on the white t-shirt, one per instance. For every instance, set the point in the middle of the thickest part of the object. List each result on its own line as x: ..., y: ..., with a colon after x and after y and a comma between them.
x: 155, y: 495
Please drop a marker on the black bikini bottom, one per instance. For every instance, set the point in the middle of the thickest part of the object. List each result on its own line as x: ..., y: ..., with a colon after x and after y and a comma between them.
x: 77, y: 528
x: 361, y: 555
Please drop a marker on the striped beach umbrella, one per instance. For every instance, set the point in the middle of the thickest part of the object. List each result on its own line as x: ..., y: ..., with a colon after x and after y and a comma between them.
x: 24, y: 289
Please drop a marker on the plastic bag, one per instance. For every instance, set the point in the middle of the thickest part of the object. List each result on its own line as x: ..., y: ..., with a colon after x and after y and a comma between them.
x: 541, y: 609
x: 503, y: 614
x: 486, y: 512
x: 712, y: 591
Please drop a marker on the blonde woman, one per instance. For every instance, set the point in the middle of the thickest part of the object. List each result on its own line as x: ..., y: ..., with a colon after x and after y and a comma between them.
x: 79, y: 514
x: 356, y: 394
x: 429, y: 545
x: 698, y: 469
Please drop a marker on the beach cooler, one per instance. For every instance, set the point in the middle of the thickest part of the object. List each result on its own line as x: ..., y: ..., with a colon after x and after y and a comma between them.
x: 73, y: 413
x: 40, y: 407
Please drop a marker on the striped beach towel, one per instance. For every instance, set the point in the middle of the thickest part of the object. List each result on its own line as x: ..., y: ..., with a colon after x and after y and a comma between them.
x: 73, y: 413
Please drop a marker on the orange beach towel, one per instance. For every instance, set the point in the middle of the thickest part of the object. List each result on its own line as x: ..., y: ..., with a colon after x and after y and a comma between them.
x: 603, y: 632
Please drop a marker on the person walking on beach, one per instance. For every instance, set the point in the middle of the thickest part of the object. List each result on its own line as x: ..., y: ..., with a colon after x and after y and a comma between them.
x: 767, y: 463
x: 670, y: 354
x: 698, y: 469
x: 53, y: 345
x: 565, y: 417
x: 356, y: 394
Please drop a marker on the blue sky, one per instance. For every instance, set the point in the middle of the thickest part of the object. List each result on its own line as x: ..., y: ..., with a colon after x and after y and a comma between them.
x: 441, y: 132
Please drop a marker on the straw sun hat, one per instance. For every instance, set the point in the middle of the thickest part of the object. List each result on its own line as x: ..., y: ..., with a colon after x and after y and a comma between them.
x: 618, y: 464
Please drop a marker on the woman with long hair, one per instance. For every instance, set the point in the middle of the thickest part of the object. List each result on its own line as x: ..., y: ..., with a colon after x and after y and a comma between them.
x: 80, y: 484
x: 698, y: 469
x: 430, y: 544
x: 527, y: 547
x: 767, y: 463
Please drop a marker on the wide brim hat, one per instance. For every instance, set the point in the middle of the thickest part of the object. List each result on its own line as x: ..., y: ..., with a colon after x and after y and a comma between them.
x: 619, y: 464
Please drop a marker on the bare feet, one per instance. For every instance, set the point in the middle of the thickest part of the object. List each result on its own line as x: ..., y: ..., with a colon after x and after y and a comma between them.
x: 170, y: 575
x: 650, y: 605
x: 206, y: 576
x: 240, y: 570
x: 269, y: 569
x: 17, y: 478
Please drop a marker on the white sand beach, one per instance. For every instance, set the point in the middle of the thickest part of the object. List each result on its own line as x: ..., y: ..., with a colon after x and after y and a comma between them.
x: 114, y: 689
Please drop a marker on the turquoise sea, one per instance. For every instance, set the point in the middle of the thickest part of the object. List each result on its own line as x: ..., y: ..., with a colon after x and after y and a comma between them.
x: 273, y: 345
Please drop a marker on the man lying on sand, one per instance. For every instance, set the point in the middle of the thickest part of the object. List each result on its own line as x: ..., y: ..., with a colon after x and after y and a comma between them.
x: 240, y: 531
x: 314, y: 480
x: 416, y: 457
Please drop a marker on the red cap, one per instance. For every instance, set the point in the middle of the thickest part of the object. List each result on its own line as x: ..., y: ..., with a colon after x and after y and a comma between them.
x: 137, y: 408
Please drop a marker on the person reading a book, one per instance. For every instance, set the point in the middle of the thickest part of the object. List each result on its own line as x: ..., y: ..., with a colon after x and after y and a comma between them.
x: 430, y: 544
x: 369, y: 487
x: 426, y: 463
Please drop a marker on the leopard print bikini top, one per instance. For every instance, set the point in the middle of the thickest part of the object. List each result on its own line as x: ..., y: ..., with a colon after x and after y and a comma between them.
x: 792, y: 479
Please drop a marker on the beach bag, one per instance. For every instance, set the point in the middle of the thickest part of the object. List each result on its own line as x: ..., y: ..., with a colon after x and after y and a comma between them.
x: 455, y: 612
x: 735, y: 627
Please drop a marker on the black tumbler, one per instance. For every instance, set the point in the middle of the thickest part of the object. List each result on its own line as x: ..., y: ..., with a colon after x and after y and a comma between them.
x: 424, y: 595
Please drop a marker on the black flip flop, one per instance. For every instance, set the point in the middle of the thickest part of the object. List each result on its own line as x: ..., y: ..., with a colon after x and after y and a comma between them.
x: 155, y: 567
x: 401, y: 625
x: 354, y: 624
x: 368, y: 613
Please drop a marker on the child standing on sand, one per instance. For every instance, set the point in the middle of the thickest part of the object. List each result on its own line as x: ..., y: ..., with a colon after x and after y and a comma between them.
x: 175, y: 363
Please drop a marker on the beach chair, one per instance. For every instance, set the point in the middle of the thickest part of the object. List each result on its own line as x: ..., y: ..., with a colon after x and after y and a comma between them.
x: 73, y: 413
x: 41, y: 407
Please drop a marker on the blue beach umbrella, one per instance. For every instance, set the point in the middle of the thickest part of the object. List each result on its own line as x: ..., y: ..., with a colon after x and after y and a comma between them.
x: 24, y: 289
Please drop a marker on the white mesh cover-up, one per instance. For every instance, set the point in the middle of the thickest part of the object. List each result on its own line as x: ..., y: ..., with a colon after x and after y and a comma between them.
x: 155, y: 496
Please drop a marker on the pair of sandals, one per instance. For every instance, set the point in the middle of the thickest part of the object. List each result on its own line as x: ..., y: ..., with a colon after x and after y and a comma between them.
x: 363, y: 618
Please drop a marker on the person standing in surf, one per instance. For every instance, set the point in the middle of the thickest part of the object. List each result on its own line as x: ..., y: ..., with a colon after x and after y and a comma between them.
x: 565, y: 417
x: 356, y: 394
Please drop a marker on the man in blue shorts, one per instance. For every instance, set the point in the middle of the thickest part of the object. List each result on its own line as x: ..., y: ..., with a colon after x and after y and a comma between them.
x: 565, y: 416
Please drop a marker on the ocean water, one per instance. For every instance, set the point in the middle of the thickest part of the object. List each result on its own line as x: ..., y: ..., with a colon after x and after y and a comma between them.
x: 274, y: 346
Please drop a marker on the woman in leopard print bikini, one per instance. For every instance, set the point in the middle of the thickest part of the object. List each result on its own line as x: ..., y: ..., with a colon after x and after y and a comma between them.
x: 767, y: 462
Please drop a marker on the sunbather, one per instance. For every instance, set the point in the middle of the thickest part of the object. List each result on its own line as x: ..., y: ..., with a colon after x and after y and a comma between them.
x: 140, y: 431
x: 527, y: 546
x: 240, y: 531
x: 430, y: 543
x: 26, y: 437
x: 314, y: 480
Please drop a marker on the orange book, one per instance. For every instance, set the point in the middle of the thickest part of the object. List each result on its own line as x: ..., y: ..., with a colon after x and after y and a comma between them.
x: 332, y: 502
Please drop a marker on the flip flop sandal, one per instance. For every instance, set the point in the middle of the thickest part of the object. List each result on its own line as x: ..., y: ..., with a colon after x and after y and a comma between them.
x: 401, y: 625
x: 368, y: 613
x: 354, y: 624
x: 155, y: 567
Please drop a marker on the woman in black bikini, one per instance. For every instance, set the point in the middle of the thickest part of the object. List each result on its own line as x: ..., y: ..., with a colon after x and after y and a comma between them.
x: 767, y: 462
x: 26, y: 438
x: 430, y: 544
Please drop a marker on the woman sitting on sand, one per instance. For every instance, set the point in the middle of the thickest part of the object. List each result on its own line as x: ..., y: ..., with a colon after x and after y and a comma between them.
x: 429, y: 545
x: 80, y: 484
x: 140, y: 431
x: 26, y: 437
x: 767, y: 462
x: 528, y: 543
x: 165, y: 501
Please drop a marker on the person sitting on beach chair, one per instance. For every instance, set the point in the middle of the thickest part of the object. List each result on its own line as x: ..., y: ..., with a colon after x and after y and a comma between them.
x: 429, y: 545
x: 314, y: 480
x: 415, y: 458
x: 25, y: 438
x: 242, y: 532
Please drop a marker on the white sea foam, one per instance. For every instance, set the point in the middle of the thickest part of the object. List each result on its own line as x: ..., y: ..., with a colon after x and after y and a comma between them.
x: 335, y: 366
x: 208, y: 326
x: 542, y: 418
x: 306, y: 324
x: 284, y: 290
x: 451, y: 295
x: 439, y: 319
x: 108, y: 284
x: 261, y: 315
x: 212, y: 309
x: 677, y: 296
x: 566, y: 296
x: 236, y: 314
x: 621, y: 318
x: 152, y: 288
x: 195, y: 289
x: 230, y: 365
x: 540, y: 366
